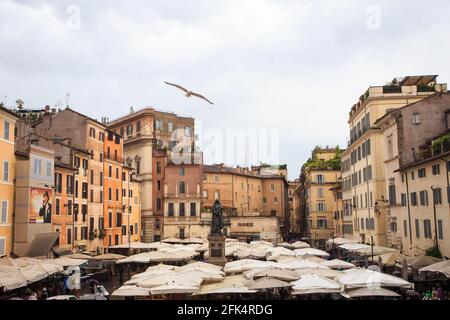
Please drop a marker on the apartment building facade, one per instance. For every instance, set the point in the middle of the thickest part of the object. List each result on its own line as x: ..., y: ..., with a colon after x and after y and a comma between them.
x: 320, y: 174
x: 34, y: 202
x: 248, y: 197
x: 363, y: 170
x: 416, y: 166
x: 182, y: 204
x: 151, y: 139
x: 294, y: 207
x: 112, y: 188
x: 7, y: 177
x: 131, y: 204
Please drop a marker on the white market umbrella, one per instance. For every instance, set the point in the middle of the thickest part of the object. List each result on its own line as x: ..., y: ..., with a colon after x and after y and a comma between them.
x: 230, y: 281
x: 204, y: 275
x: 173, y: 288
x: 372, y: 292
x: 140, y: 277
x: 311, y: 252
x: 228, y: 290
x: 312, y: 284
x: 305, y: 264
x: 109, y: 256
x: 13, y: 281
x: 365, y: 278
x: 201, y: 265
x: 327, y: 273
x: 162, y: 267
x: 163, y: 280
x: 268, y: 283
x: 300, y: 245
x: 131, y: 291
x: 172, y: 240
x: 67, y: 262
x: 286, y: 245
x: 440, y: 267
x: 354, y: 246
x: 341, y: 241
x: 338, y: 264
x: 81, y: 256
x: 276, y: 273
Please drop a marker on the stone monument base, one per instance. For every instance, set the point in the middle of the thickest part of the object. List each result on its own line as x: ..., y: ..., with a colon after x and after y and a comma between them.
x: 217, y: 251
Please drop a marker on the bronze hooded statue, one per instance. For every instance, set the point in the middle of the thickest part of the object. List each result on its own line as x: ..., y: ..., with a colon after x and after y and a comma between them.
x: 217, y: 219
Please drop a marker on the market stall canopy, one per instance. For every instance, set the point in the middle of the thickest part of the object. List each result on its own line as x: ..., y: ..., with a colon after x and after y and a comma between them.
x: 173, y: 288
x: 231, y: 289
x: 389, y: 259
x: 312, y: 284
x: 138, y: 245
x: 286, y: 245
x: 301, y: 245
x: 421, y: 262
x: 202, y: 265
x: 276, y: 273
x: 204, y: 275
x: 375, y: 251
x: 162, y: 266
x: 169, y: 279
x: 268, y: 283
x: 131, y: 291
x: 311, y: 252
x: 42, y: 244
x: 327, y: 273
x: 354, y: 246
x: 78, y: 256
x: 109, y: 256
x: 372, y: 292
x: 338, y: 264
x: 340, y: 241
x: 365, y: 278
x: 141, y: 277
x: 67, y: 262
x: 193, y: 240
x: 227, y: 282
x: 172, y: 240
x: 304, y: 264
x: 12, y: 281
x: 440, y: 267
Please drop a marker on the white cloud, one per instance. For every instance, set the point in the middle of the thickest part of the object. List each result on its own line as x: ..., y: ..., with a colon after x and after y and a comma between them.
x: 296, y: 66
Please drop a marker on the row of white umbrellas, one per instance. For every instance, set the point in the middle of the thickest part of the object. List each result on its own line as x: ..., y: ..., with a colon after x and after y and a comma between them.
x: 18, y: 273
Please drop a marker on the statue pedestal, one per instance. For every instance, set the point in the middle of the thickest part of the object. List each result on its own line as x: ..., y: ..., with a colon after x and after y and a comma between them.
x: 217, y: 251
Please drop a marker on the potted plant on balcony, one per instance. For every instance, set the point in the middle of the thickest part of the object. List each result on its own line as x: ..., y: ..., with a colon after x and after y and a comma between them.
x: 102, y: 234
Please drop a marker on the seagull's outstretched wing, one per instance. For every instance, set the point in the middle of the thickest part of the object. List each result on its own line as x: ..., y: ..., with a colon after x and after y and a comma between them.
x: 201, y: 97
x: 176, y: 86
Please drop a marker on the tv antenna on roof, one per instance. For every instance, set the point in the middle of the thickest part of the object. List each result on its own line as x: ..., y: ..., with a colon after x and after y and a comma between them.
x: 67, y: 99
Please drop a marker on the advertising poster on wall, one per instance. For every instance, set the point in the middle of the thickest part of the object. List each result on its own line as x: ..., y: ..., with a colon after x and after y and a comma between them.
x: 41, y: 205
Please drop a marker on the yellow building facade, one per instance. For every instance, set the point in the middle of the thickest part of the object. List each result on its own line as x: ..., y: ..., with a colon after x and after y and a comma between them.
x: 7, y: 176
x: 363, y: 167
x: 319, y: 199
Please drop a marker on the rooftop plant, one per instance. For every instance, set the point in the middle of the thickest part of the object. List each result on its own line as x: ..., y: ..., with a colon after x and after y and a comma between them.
x: 315, y: 162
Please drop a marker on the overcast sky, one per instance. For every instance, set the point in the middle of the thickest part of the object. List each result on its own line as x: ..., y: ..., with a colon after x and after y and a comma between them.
x: 288, y: 65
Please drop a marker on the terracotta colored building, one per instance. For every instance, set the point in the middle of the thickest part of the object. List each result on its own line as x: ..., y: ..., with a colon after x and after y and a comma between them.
x: 183, y: 201
x: 149, y: 137
x: 84, y: 133
x: 112, y: 188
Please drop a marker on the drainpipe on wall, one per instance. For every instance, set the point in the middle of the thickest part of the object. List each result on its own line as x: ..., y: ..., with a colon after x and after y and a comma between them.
x: 409, y: 207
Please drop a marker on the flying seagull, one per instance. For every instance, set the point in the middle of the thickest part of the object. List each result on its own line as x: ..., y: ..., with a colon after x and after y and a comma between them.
x: 188, y: 93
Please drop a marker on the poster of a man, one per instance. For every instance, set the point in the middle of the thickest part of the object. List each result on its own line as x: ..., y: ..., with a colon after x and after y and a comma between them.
x: 41, y: 206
